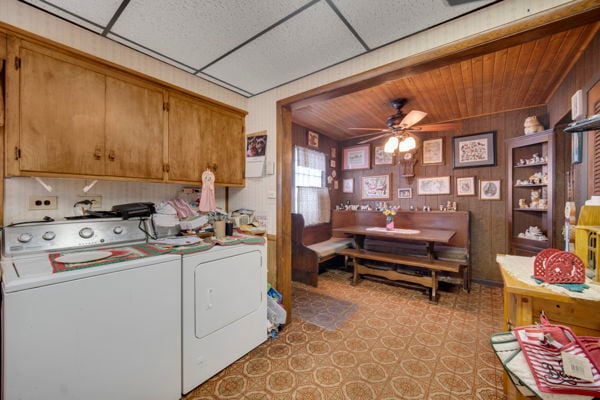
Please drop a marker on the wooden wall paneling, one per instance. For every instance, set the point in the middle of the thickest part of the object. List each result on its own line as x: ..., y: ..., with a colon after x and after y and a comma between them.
x: 284, y: 206
x: 3, y: 66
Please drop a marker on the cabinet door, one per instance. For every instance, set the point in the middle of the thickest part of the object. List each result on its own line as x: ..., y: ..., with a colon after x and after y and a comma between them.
x: 134, y: 129
x: 228, y: 149
x: 62, y: 115
x: 190, y: 131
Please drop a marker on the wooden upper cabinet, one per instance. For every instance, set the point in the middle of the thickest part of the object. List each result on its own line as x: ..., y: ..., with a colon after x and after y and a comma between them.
x: 61, y: 115
x: 203, y: 136
x: 134, y: 129
x: 228, y: 149
x: 189, y: 122
x: 70, y: 116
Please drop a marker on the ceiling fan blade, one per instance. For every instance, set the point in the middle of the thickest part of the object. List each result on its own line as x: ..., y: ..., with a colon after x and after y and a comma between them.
x: 448, y: 126
x: 366, y: 129
x: 412, y: 118
x: 375, y: 138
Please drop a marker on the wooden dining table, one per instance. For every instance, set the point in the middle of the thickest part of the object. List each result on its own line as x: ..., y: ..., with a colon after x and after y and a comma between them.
x: 429, y: 236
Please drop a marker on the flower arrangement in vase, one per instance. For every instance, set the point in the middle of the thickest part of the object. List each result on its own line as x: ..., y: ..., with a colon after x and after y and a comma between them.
x: 389, y: 219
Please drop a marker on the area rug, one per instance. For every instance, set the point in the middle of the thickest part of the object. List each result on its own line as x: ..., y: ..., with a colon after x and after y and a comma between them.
x: 324, y: 311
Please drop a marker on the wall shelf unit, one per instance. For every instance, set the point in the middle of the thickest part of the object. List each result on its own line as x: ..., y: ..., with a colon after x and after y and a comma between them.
x: 530, y: 200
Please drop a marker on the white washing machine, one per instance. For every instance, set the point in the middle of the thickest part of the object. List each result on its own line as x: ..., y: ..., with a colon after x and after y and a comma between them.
x: 105, y: 332
x: 224, y: 308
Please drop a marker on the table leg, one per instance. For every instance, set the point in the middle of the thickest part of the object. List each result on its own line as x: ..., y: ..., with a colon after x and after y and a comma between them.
x: 430, y: 251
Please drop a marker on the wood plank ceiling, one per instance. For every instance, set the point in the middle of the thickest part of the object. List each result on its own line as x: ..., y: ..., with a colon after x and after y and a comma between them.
x: 516, y: 77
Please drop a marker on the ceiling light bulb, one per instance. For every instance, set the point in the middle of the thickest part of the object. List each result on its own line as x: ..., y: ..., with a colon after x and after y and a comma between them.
x: 407, y: 144
x: 391, y: 145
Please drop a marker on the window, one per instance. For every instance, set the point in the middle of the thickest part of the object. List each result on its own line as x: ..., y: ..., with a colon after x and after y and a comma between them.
x: 311, y: 196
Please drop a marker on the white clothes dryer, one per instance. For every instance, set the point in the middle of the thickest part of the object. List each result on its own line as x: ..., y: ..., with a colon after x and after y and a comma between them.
x: 224, y: 308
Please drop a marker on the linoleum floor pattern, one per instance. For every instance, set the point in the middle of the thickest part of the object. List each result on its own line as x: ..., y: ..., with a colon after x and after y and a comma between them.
x: 396, y: 345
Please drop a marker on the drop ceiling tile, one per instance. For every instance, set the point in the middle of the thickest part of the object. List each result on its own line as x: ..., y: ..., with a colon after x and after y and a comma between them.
x: 151, y: 53
x: 93, y: 15
x: 224, y: 84
x: 312, y: 40
x: 197, y: 32
x: 379, y: 22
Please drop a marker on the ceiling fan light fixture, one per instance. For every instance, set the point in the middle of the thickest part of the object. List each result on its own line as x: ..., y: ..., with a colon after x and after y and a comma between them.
x: 391, y: 145
x: 407, y: 144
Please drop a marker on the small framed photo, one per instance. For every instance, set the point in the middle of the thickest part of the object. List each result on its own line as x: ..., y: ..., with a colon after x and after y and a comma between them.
x: 383, y: 158
x: 332, y: 163
x: 434, y: 185
x: 356, y: 157
x: 348, y: 185
x: 477, y: 150
x: 489, y: 190
x: 333, y: 152
x: 405, y: 193
x: 465, y: 186
x: 336, y: 184
x: 376, y: 187
x: 313, y: 139
x: 433, y: 151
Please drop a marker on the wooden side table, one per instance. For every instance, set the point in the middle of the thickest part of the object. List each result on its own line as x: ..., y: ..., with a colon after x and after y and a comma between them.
x: 523, y: 304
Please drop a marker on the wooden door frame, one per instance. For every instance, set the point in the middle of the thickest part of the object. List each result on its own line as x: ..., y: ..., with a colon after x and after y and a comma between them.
x: 539, y: 25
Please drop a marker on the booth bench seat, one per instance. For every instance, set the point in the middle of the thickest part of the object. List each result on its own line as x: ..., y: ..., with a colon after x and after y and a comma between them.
x: 312, y: 246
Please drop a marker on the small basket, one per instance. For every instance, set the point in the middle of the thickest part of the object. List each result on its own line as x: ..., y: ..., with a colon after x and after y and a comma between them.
x: 555, y: 266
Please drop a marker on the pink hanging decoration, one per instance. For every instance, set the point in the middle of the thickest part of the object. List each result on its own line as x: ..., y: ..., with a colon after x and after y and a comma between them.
x: 207, y: 198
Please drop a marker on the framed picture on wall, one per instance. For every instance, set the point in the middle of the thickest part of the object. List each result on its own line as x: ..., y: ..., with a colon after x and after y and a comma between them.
x: 313, y: 139
x: 375, y: 187
x: 405, y: 193
x: 477, y: 150
x: 333, y: 152
x: 383, y: 158
x: 433, y: 151
x: 465, y: 186
x: 348, y: 185
x: 489, y: 190
x: 356, y: 157
x: 433, y: 185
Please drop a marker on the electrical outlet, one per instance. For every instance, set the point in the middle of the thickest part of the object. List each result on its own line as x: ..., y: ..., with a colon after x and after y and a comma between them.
x: 43, y: 202
x: 96, y: 201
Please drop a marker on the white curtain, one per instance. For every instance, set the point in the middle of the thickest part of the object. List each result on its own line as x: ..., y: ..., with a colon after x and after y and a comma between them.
x: 311, y: 198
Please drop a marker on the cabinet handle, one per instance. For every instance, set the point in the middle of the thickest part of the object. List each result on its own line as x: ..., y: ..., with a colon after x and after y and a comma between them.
x: 111, y: 155
x: 97, y: 153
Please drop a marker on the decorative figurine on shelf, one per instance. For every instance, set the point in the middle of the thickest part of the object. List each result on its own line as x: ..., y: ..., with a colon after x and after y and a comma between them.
x: 532, y: 125
x: 535, y: 198
x: 522, y: 203
x: 207, y: 198
x: 537, y: 178
x: 533, y: 233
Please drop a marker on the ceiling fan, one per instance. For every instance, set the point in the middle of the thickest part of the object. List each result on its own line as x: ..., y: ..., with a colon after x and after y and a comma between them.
x: 400, y: 125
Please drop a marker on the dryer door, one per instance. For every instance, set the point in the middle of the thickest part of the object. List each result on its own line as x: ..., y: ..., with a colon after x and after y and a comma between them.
x: 226, y: 290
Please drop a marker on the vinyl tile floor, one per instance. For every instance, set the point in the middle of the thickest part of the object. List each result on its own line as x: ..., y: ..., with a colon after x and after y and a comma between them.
x: 394, y: 344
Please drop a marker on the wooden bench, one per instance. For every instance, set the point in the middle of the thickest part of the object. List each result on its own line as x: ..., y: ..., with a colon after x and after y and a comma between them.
x: 409, y: 261
x: 397, y: 272
x: 311, y: 246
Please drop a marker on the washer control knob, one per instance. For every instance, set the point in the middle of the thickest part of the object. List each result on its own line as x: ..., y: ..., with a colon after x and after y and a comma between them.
x: 86, y: 233
x: 24, y: 237
x: 48, y: 235
x: 118, y: 230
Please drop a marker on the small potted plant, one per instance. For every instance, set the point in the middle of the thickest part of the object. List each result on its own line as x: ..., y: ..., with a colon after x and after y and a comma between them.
x: 389, y: 219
